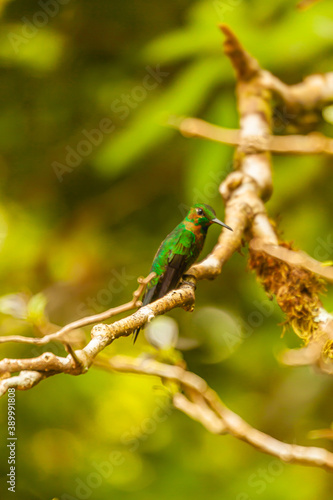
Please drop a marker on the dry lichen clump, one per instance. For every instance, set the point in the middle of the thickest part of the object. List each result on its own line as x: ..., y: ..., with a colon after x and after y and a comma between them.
x: 296, y: 289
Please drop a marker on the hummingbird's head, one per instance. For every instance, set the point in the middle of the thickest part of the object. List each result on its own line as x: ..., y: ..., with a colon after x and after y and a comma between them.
x: 204, y: 215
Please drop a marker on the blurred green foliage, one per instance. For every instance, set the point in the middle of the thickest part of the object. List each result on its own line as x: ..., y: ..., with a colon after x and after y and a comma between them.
x: 73, y: 240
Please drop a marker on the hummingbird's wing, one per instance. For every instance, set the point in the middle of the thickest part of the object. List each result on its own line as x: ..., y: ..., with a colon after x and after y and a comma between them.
x: 178, y: 256
x: 174, y: 271
x: 174, y: 256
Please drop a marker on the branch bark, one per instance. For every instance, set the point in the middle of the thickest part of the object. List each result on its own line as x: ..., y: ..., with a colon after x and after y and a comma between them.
x: 312, y: 143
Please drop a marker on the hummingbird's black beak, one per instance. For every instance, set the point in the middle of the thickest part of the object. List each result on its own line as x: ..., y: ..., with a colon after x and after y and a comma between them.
x: 217, y: 221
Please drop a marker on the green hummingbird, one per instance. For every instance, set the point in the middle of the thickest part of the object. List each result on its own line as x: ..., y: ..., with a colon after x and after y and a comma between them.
x: 178, y: 252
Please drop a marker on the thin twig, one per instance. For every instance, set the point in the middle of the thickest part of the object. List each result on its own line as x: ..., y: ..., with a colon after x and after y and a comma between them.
x: 102, y: 336
x: 312, y: 94
x: 62, y: 335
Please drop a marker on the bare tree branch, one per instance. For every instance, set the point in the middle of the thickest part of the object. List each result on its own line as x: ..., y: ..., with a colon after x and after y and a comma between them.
x: 313, y: 143
x: 313, y: 93
x: 224, y: 420
x: 309, y: 355
x: 102, y: 336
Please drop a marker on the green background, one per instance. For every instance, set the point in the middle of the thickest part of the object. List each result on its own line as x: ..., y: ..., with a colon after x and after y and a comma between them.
x: 74, y: 244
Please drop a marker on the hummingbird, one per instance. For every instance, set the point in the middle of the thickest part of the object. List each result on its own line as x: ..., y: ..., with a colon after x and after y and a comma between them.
x: 178, y: 251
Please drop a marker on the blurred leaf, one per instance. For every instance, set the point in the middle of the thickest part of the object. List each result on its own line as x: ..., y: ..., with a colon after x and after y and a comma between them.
x: 17, y: 49
x: 147, y: 129
x: 36, y: 308
x: 14, y: 305
x: 210, y: 162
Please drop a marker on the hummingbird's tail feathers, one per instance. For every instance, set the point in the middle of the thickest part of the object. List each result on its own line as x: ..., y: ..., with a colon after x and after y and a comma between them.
x: 149, y: 296
x: 135, y: 334
x: 174, y: 271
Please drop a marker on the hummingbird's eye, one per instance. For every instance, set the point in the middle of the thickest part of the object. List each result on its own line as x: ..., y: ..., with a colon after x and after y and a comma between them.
x: 200, y: 211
